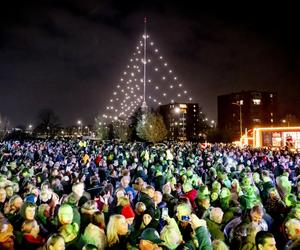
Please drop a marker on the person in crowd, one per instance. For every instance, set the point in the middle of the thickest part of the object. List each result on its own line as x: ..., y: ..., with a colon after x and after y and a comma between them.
x: 149, y: 240
x: 73, y: 188
x: 55, y: 242
x: 94, y: 233
x: 292, y: 227
x: 265, y: 240
x: 117, y: 230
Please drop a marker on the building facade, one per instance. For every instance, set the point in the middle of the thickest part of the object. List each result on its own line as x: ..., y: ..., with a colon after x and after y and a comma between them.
x: 182, y: 120
x: 246, y: 110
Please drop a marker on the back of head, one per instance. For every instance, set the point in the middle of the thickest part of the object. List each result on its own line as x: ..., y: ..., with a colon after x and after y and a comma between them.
x: 219, y: 245
x: 89, y: 247
x: 171, y: 236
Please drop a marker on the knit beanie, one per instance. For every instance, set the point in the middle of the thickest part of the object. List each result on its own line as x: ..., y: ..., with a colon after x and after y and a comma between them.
x: 128, y: 212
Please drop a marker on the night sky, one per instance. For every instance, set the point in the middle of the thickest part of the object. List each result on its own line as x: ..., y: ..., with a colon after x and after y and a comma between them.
x: 67, y: 54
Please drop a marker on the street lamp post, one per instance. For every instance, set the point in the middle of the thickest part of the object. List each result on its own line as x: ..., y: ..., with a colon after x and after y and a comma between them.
x: 241, y: 122
x: 79, y: 122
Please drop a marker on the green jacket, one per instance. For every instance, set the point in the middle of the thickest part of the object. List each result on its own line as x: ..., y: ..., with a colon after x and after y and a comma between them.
x: 203, y: 238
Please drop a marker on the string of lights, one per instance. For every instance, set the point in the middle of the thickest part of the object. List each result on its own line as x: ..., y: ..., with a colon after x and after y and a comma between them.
x: 163, y: 85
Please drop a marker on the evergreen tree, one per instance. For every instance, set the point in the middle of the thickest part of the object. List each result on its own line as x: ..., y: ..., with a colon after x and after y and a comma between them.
x: 152, y: 128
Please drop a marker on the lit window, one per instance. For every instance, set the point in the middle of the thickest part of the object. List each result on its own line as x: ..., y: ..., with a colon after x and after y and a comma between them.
x: 241, y: 102
x: 256, y: 101
x: 194, y: 110
x: 271, y: 95
x: 256, y: 120
x: 271, y: 120
x: 271, y: 114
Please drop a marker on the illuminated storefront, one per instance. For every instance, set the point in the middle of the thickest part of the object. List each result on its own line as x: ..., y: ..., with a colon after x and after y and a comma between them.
x: 277, y: 137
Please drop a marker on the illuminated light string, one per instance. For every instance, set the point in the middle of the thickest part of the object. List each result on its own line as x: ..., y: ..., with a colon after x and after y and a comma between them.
x: 162, y: 85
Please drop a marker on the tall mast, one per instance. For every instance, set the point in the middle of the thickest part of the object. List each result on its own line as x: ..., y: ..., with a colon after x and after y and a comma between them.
x: 144, y: 105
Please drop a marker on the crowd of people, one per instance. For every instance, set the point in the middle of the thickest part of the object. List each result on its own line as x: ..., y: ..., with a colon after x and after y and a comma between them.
x: 75, y: 194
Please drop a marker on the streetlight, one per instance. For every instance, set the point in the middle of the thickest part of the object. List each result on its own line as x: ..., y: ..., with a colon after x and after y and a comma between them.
x: 30, y: 128
x: 239, y: 103
x: 212, y: 123
x: 284, y: 121
x: 79, y: 122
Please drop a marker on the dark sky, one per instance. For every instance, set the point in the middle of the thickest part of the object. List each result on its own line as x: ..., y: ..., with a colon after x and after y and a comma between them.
x: 68, y: 54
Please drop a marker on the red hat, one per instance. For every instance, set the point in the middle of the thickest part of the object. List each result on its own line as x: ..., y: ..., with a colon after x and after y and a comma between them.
x: 128, y: 212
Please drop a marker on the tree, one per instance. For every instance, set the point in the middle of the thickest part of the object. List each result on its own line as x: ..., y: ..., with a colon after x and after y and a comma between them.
x: 48, y: 123
x: 4, y: 124
x: 121, y: 130
x: 101, y: 129
x: 152, y: 128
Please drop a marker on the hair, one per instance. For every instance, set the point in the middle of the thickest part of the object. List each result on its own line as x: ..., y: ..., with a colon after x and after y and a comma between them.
x: 295, y: 222
x: 89, y: 247
x: 171, y: 236
x: 90, y: 205
x: 126, y: 177
x: 219, y: 245
x: 261, y: 237
x: 183, y: 208
x: 76, y: 184
x: 257, y: 209
x: 98, y: 219
x: 28, y: 225
x: 140, y: 207
x: 112, y: 229
x: 120, y: 189
x: 166, y: 188
x: 52, y: 240
x: 148, y: 188
x: 123, y: 201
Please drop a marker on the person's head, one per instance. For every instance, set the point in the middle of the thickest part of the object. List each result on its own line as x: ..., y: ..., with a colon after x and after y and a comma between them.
x: 146, y: 219
x: 265, y: 241
x: 2, y: 195
x: 183, y: 211
x: 219, y: 245
x: 256, y: 213
x: 204, y: 201
x: 30, y: 227
x: 216, y: 215
x: 128, y: 213
x: 69, y: 231
x: 65, y: 214
x: 9, y: 191
x: 292, y: 228
x: 89, y: 247
x: 123, y: 201
x: 15, y: 203
x: 29, y: 211
x: 120, y: 192
x: 167, y: 189
x: 117, y: 226
x: 273, y: 194
x: 157, y: 197
x: 55, y: 242
x: 140, y: 208
x: 150, y: 190
x: 125, y: 181
x: 149, y: 239
x: 78, y: 189
x: 89, y: 207
x: 98, y: 219
x: 171, y: 236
